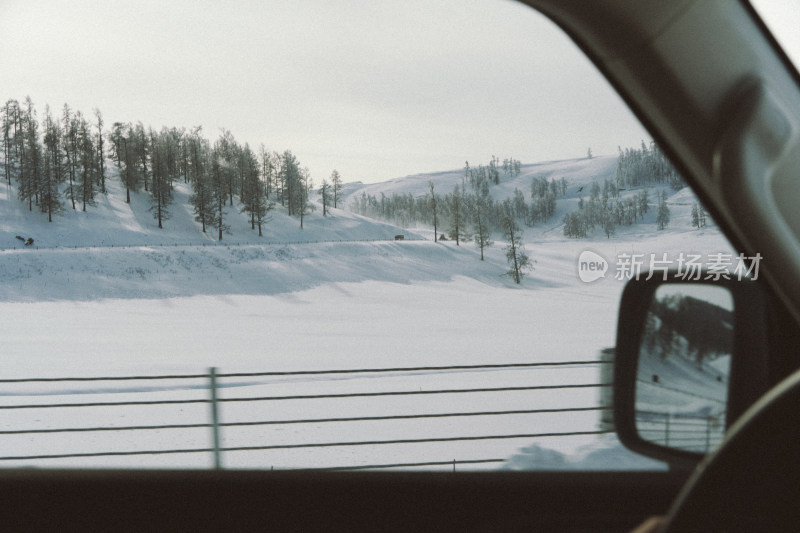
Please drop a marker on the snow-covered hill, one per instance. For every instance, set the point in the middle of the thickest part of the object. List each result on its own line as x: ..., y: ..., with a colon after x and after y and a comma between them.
x: 577, y: 172
x: 580, y: 174
x: 112, y: 222
x: 116, y: 250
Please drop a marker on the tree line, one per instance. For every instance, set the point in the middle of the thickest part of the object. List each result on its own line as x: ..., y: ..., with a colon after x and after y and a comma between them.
x: 605, y: 209
x: 646, y: 166
x: 60, y: 162
x: 469, y: 213
x: 695, y: 328
x: 469, y: 206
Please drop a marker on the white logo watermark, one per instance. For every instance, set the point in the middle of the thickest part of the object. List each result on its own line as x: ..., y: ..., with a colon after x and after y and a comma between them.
x: 715, y: 266
x: 591, y: 266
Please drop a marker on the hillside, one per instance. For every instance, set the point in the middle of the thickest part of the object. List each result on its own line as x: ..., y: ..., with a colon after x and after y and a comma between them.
x: 577, y: 172
x: 115, y: 223
x: 115, y: 250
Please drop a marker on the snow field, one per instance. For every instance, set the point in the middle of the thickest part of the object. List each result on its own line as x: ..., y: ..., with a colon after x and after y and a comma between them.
x: 160, y: 302
x: 317, y: 432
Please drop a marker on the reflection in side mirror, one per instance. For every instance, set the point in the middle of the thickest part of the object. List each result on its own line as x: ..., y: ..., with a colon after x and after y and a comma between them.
x: 684, y: 366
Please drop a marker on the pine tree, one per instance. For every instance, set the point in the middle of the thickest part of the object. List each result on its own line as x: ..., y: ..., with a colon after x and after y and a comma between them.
x: 19, y: 151
x: 695, y: 217
x: 163, y: 169
x: 304, y: 207
x: 70, y: 150
x: 254, y: 194
x: 280, y: 180
x: 52, y: 173
x: 117, y: 132
x: 494, y: 173
x: 203, y: 201
x: 433, y: 207
x: 520, y: 208
x: 125, y: 148
x: 607, y: 193
x: 455, y: 203
x: 101, y: 163
x: 30, y: 176
x: 576, y: 224
x: 336, y: 187
x: 141, y: 154
x: 324, y: 192
x: 268, y: 168
x: 250, y: 190
x: 10, y: 116
x: 219, y: 192
x: 292, y: 179
x: 518, y: 260
x: 86, y: 164
x: 183, y: 153
x: 482, y: 233
x: 609, y: 222
x: 203, y: 198
x: 644, y: 200
x: 662, y: 218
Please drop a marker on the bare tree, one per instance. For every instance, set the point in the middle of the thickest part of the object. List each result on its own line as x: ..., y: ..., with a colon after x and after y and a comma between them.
x: 434, y: 211
x: 517, y: 259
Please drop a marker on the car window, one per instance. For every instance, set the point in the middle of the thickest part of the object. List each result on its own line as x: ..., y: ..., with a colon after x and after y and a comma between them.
x: 320, y: 235
x: 781, y: 18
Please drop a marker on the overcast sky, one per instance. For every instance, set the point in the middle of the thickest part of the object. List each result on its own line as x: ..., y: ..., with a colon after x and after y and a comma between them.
x: 375, y: 89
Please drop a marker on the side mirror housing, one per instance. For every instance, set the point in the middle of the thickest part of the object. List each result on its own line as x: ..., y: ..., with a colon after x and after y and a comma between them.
x: 691, y: 356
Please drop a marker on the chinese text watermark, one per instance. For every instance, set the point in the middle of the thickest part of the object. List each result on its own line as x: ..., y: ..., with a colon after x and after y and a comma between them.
x: 686, y: 266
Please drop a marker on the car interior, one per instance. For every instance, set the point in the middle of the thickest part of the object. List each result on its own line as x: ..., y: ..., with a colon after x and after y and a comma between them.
x: 715, y: 90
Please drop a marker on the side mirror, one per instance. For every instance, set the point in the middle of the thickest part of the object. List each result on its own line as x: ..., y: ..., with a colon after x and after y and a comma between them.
x: 690, y: 358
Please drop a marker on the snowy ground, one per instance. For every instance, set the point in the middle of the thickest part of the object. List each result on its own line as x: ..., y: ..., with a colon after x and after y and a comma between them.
x: 174, y: 302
